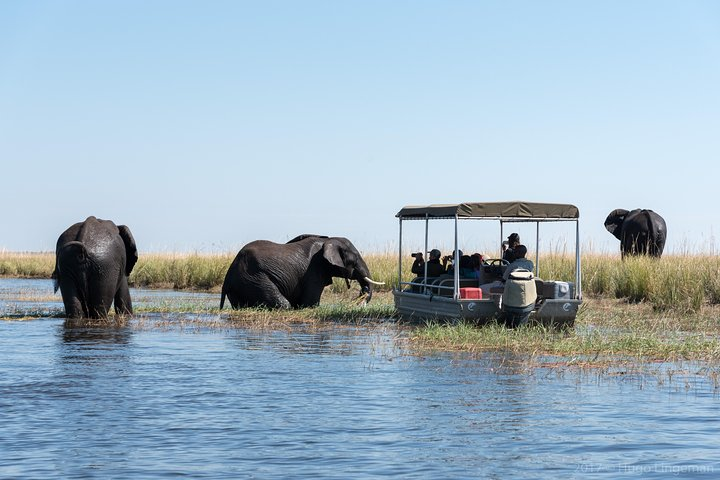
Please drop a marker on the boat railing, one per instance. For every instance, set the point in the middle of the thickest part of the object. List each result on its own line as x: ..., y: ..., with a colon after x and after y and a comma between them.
x: 444, y: 287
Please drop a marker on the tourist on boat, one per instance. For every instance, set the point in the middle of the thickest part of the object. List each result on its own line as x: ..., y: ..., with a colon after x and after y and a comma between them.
x: 450, y: 259
x: 466, y: 268
x: 509, y: 247
x: 476, y: 262
x: 519, y: 262
x: 434, y: 267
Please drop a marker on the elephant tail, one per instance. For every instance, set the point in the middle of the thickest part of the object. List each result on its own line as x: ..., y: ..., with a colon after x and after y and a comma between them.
x: 55, y: 278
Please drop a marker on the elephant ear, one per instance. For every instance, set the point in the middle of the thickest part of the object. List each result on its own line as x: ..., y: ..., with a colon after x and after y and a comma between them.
x: 614, y: 221
x: 130, y: 248
x: 331, y: 253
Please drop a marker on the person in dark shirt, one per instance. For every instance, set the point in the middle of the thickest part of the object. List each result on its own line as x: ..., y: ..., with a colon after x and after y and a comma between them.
x: 519, y: 262
x: 477, y: 261
x: 434, y: 267
x: 466, y: 267
x: 509, y: 246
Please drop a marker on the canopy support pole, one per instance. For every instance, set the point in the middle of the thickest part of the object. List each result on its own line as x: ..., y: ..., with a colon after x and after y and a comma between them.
x: 456, y: 265
x: 537, y: 249
x: 578, y: 272
x: 400, y: 257
x: 427, y: 225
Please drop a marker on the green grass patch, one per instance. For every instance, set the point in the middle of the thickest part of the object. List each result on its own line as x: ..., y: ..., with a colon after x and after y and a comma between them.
x: 604, y: 329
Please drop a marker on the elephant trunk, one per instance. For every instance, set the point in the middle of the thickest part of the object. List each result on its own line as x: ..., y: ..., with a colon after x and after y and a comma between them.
x: 365, y: 289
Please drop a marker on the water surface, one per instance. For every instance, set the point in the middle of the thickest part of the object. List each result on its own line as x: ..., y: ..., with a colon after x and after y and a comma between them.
x: 230, y: 401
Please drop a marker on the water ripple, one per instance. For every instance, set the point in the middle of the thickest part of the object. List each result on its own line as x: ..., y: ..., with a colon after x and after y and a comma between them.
x: 345, y: 402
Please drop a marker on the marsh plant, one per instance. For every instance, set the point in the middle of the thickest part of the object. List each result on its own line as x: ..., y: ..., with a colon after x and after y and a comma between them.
x: 674, y: 283
x: 26, y: 264
x: 182, y: 272
x: 607, y: 331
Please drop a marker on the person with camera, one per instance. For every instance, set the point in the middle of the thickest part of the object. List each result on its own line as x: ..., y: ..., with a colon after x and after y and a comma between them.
x: 509, y: 245
x: 434, y: 267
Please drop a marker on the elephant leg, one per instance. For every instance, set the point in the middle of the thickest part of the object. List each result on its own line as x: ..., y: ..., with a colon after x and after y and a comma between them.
x: 71, y: 300
x: 311, y: 297
x: 254, y: 294
x: 270, y: 296
x: 100, y: 297
x: 123, y: 304
x: 274, y: 299
x: 232, y: 298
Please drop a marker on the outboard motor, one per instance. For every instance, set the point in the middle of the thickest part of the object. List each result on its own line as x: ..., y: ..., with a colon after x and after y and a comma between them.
x: 519, y: 298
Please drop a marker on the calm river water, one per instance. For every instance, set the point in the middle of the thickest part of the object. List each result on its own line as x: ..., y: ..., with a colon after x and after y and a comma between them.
x: 340, y: 401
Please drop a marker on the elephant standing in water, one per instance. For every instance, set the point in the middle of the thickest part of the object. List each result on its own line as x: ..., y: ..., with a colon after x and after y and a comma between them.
x: 641, y: 232
x: 93, y: 260
x: 293, y: 274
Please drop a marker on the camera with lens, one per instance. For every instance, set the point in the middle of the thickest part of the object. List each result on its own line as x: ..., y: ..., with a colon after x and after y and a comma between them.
x: 416, y: 254
x: 506, y: 243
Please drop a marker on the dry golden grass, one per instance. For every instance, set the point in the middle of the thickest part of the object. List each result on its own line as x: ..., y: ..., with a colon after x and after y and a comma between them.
x: 682, y: 284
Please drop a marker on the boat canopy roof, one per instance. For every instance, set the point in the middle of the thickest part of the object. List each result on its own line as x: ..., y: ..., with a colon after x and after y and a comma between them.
x: 496, y: 210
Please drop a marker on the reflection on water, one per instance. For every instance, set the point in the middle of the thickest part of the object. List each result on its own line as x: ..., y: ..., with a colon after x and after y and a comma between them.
x: 83, y: 400
x: 21, y: 297
x: 91, y: 333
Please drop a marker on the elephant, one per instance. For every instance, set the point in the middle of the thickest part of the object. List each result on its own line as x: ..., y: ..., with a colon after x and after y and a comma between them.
x: 93, y: 260
x: 641, y: 231
x: 294, y: 274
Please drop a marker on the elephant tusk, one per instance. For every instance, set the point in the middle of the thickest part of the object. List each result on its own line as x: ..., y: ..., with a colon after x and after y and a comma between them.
x: 370, y: 280
x: 347, y: 282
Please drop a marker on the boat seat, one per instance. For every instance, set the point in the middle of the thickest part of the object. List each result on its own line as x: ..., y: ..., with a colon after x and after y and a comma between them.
x: 492, y: 273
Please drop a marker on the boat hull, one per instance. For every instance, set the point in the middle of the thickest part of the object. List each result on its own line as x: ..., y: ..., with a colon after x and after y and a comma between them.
x: 415, y: 306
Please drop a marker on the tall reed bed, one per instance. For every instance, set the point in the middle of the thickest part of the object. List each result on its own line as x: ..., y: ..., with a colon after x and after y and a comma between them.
x: 678, y: 283
x: 26, y: 264
x: 674, y: 283
x: 190, y: 271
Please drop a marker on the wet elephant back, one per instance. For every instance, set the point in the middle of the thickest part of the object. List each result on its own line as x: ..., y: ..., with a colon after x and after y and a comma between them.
x: 283, y: 263
x: 101, y: 240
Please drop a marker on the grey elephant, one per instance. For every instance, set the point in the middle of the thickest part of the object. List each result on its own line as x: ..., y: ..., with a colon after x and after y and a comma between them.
x: 93, y: 260
x: 640, y: 231
x: 293, y: 274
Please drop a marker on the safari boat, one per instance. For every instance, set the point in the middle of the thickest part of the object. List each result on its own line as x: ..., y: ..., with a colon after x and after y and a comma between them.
x: 454, y: 298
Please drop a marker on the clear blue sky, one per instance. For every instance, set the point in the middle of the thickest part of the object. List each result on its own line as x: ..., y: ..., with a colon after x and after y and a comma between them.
x: 205, y: 125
